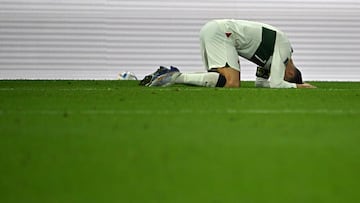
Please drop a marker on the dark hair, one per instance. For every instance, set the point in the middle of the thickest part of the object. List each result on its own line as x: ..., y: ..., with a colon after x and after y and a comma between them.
x: 297, y: 77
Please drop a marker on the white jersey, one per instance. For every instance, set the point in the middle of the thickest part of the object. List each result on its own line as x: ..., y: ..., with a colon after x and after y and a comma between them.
x: 247, y: 35
x: 222, y: 41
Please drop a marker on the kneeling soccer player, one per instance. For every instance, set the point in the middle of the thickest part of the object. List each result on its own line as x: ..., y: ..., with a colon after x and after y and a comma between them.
x: 222, y: 42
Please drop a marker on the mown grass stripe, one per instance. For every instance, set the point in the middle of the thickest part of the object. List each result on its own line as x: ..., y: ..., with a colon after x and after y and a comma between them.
x: 181, y: 111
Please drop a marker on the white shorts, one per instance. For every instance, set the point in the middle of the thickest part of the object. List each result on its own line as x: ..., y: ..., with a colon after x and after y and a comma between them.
x: 217, y: 50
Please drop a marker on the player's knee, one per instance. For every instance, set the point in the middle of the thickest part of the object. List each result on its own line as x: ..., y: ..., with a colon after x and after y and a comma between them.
x: 221, y: 82
x: 232, y: 77
x: 232, y: 83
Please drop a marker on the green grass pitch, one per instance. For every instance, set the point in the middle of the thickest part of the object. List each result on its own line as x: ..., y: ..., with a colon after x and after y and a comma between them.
x: 114, y: 141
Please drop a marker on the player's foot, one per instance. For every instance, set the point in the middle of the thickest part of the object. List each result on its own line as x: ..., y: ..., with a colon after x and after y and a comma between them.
x: 149, y: 78
x: 261, y: 82
x: 166, y: 79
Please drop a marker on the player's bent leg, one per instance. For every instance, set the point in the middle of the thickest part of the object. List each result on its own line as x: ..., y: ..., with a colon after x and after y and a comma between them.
x: 231, y: 75
x: 167, y: 77
x: 210, y: 79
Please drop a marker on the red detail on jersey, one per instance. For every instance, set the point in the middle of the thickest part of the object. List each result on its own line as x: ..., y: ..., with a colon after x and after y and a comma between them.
x: 228, y: 34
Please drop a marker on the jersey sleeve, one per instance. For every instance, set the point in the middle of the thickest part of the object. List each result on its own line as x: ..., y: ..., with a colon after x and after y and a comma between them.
x: 277, y: 77
x: 277, y: 71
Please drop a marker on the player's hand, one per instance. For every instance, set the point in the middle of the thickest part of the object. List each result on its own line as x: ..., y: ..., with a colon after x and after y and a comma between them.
x: 305, y: 85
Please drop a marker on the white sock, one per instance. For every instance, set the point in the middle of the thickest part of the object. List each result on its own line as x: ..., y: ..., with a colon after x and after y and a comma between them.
x: 199, y: 79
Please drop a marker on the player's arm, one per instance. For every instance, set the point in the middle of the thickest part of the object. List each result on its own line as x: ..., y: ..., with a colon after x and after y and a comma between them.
x: 262, y: 79
x: 277, y: 77
x: 305, y: 85
x: 277, y: 72
x: 291, y: 73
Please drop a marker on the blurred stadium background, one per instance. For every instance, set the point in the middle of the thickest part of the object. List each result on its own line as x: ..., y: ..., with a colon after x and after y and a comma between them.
x: 96, y: 39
